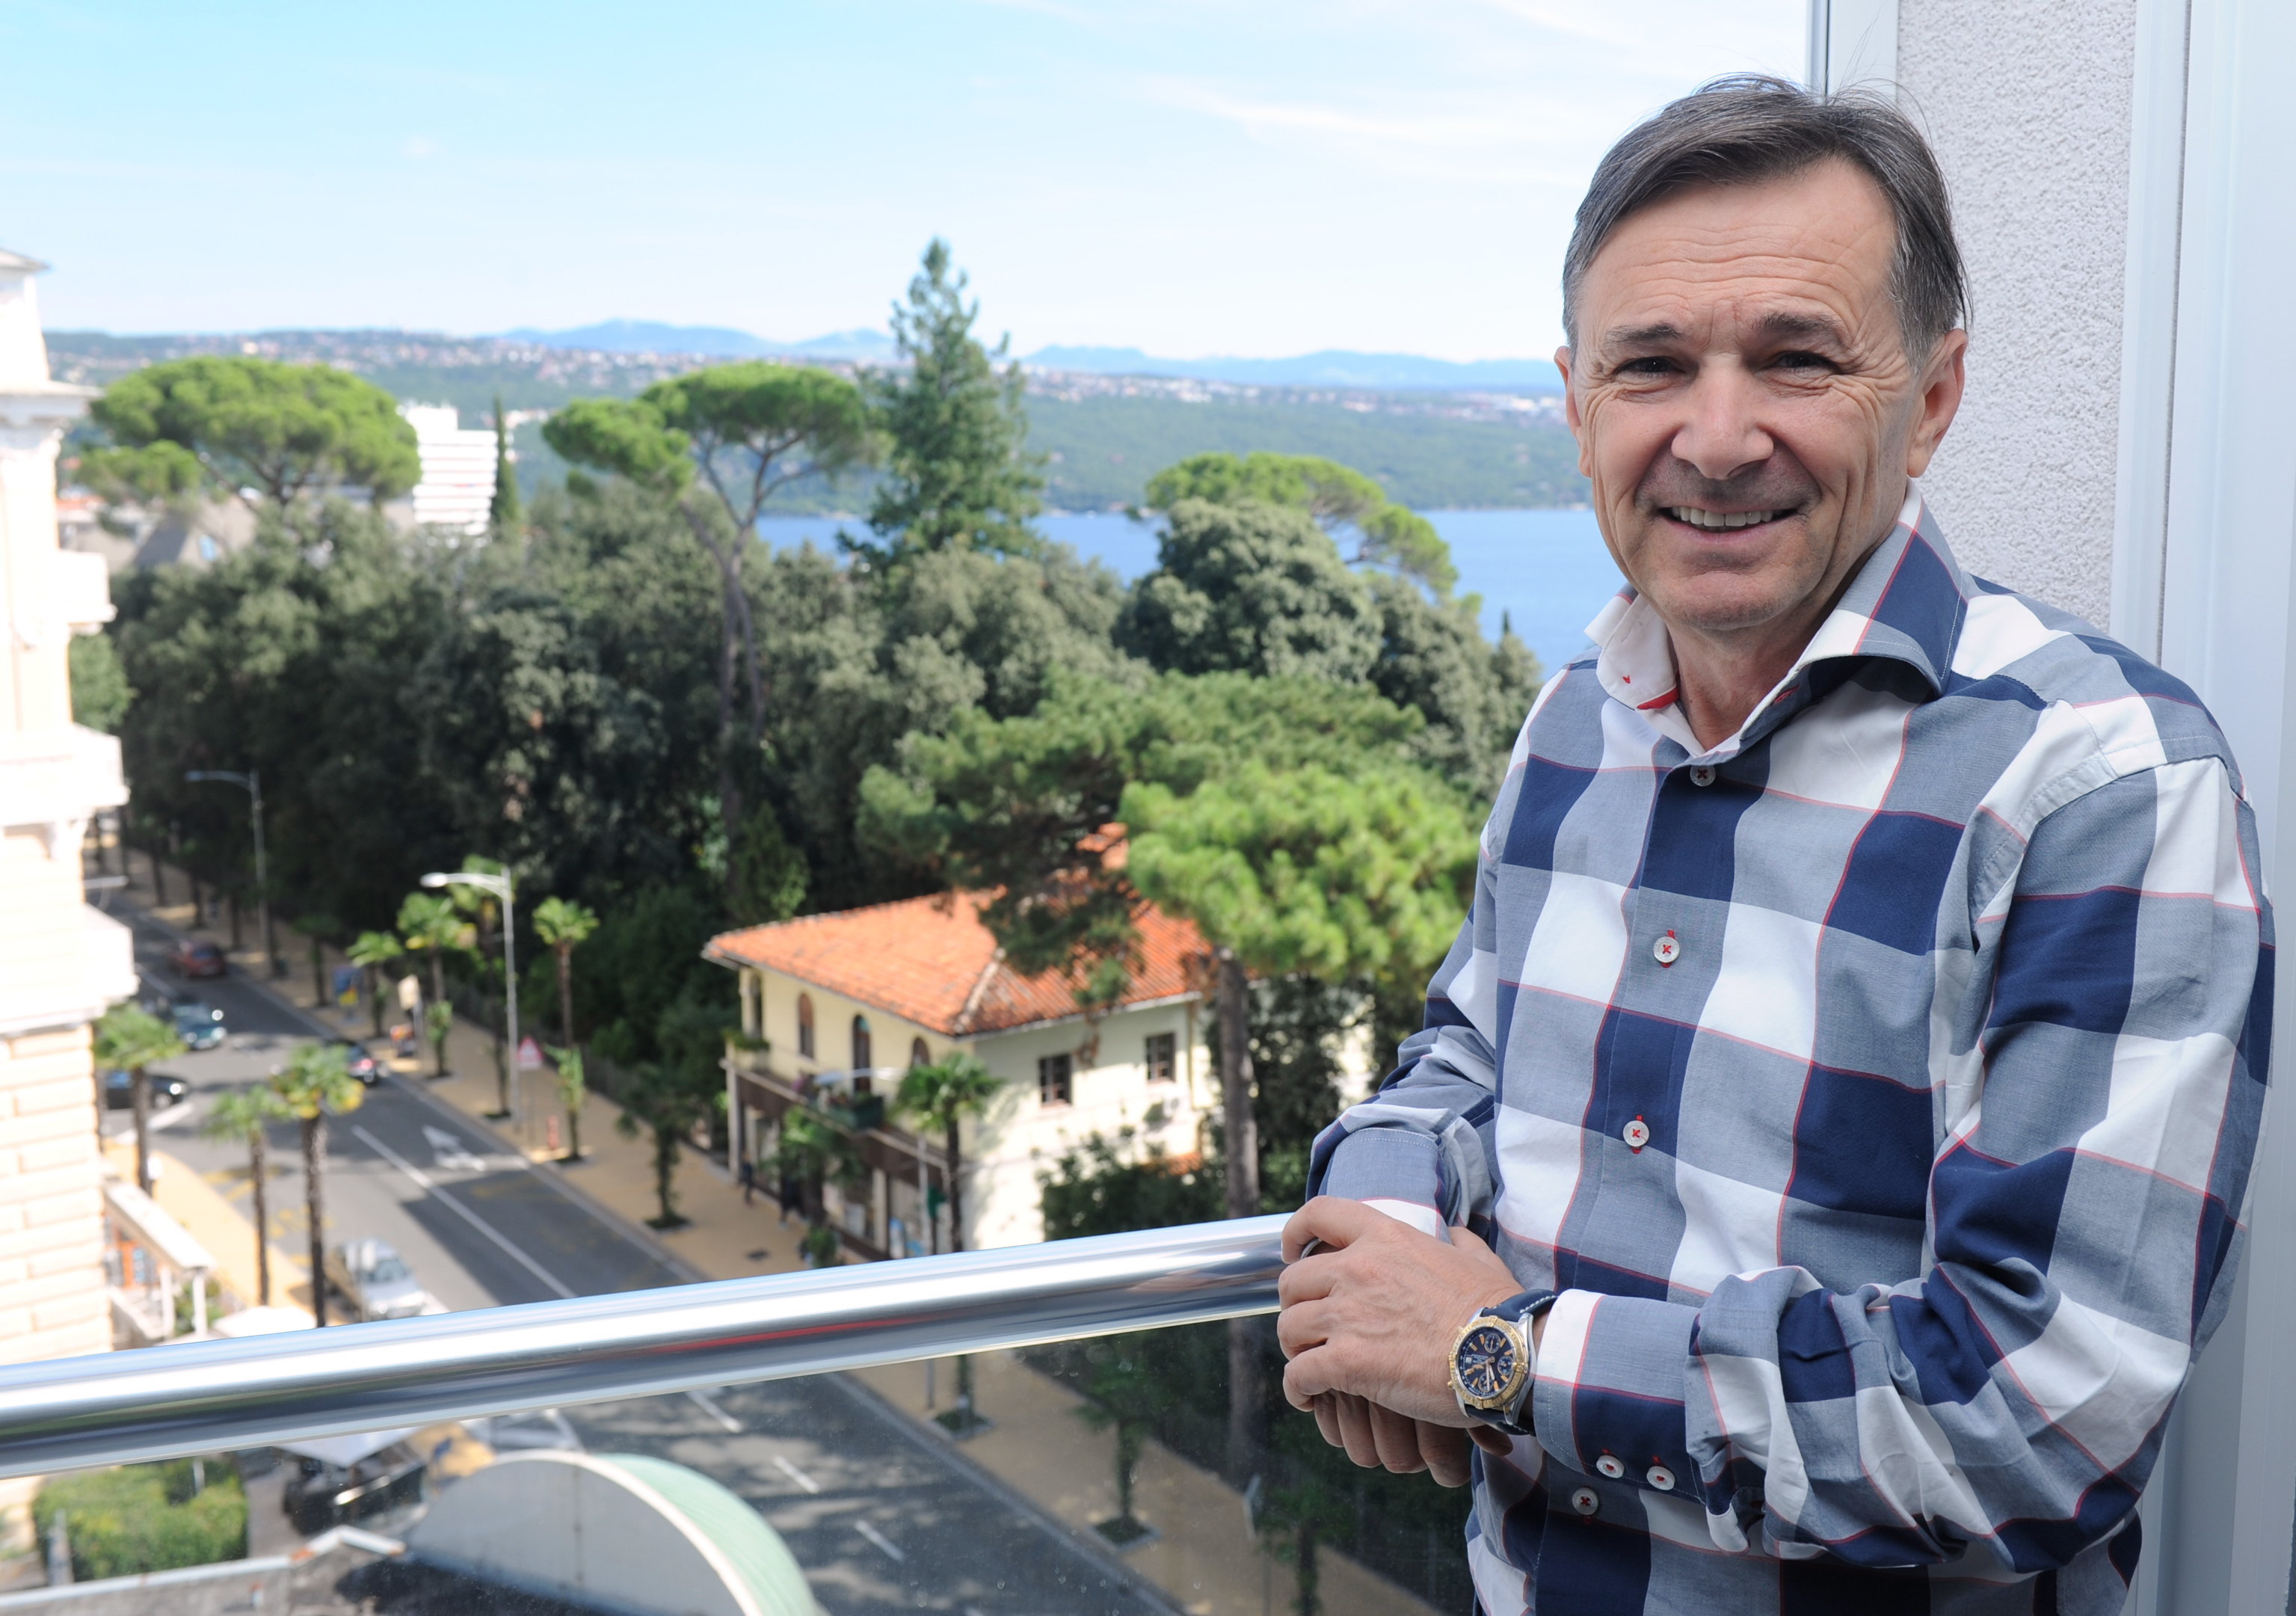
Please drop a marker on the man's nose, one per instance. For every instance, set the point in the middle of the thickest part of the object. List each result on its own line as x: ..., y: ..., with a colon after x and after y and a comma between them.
x: 1722, y: 435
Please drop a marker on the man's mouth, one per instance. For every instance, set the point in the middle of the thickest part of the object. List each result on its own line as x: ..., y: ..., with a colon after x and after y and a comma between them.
x: 1721, y: 521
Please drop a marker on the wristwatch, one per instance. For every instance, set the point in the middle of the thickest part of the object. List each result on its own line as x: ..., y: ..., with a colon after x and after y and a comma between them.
x: 1493, y: 1362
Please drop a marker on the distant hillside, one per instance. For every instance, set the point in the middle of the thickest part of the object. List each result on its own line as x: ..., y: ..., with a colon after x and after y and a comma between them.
x: 715, y: 341
x: 1333, y: 367
x: 1104, y: 436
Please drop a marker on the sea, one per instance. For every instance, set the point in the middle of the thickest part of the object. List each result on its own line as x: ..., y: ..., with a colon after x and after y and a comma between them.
x: 1547, y: 573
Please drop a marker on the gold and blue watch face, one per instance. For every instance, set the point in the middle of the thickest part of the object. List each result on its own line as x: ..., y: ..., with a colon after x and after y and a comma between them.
x: 1487, y: 1363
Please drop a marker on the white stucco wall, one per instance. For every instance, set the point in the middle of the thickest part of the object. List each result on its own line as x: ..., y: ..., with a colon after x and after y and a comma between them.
x: 2027, y: 104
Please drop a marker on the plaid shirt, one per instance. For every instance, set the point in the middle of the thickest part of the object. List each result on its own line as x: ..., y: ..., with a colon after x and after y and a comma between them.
x: 1878, y: 1089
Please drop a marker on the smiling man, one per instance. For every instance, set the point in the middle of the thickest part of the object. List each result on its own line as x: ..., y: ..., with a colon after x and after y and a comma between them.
x: 1825, y: 1152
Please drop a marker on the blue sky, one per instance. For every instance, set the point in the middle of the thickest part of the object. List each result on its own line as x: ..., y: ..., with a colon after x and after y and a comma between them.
x: 1254, y: 176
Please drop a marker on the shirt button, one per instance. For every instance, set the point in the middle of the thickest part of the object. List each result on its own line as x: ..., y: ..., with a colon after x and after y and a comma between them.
x: 1666, y: 950
x: 1636, y: 1133
x: 1609, y: 1465
x: 1585, y: 1501
x: 1660, y: 1477
x: 1702, y: 775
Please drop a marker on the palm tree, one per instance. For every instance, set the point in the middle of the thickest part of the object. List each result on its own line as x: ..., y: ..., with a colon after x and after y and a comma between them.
x: 572, y: 1090
x: 318, y: 1081
x: 429, y: 921
x: 660, y: 1102
x: 941, y: 1096
x: 1128, y: 1396
x: 562, y: 925
x: 246, y: 1118
x: 372, y: 951
x: 485, y: 910
x: 133, y: 1041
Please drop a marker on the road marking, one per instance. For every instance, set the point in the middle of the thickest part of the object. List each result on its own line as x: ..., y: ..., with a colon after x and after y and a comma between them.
x: 711, y: 1407
x: 796, y: 1475
x: 423, y: 1181
x: 879, y: 1539
x: 449, y: 1154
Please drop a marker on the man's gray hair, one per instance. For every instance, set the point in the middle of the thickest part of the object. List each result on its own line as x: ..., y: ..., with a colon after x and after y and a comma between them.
x: 1750, y: 128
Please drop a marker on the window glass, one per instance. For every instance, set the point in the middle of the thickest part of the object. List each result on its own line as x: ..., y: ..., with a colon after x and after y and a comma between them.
x: 805, y: 1025
x: 919, y: 1056
x: 1162, y: 1061
x: 862, y: 1059
x: 1054, y: 1073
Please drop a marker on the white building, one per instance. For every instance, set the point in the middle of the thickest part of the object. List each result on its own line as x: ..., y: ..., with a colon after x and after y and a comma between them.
x: 457, y: 489
x: 61, y: 963
x: 848, y: 1001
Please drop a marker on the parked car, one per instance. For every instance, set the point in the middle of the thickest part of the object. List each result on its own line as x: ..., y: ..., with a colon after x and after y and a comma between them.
x: 540, y: 1428
x: 198, y: 1023
x: 319, y: 1495
x: 198, y: 956
x: 363, y: 1066
x: 372, y: 1276
x: 119, y: 1090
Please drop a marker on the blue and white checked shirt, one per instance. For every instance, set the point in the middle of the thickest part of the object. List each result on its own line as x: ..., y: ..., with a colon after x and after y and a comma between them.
x: 1878, y: 1089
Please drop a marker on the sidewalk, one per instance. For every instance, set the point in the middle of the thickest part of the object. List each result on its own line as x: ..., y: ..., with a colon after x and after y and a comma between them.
x: 1203, y: 1556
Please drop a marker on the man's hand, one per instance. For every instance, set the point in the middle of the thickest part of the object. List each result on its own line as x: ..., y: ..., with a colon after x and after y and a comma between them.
x: 1367, y: 1323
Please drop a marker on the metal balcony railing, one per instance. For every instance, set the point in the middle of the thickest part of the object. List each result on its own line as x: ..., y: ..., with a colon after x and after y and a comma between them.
x: 202, y: 1397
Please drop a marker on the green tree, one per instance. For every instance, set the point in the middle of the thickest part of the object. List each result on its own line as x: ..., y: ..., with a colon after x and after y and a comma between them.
x: 958, y: 473
x: 485, y: 912
x: 572, y: 1091
x: 99, y: 691
x: 373, y: 951
x: 1303, y: 1510
x: 663, y: 1105
x: 132, y: 1040
x: 430, y: 924
x: 504, y: 512
x: 1338, y: 497
x: 562, y: 926
x: 316, y: 927
x: 1251, y: 588
x: 284, y: 429
x: 812, y: 1152
x: 438, y: 1021
x: 244, y: 1116
x: 1128, y: 1397
x: 742, y: 432
x: 943, y: 1095
x: 317, y: 1083
x: 1101, y: 1187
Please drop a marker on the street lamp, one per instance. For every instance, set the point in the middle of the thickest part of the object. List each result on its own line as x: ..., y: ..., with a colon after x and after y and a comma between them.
x: 501, y: 887
x: 251, y: 782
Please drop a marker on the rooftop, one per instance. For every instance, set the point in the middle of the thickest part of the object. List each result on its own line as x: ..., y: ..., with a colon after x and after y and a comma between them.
x: 931, y: 961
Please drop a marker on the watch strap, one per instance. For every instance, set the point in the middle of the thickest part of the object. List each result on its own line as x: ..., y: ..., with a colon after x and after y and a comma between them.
x: 1519, y: 1308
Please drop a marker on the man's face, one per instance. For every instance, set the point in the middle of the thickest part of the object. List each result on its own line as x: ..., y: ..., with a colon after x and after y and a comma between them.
x: 1743, y: 401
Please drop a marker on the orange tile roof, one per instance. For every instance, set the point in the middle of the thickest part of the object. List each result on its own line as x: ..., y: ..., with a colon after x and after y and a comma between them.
x: 931, y: 961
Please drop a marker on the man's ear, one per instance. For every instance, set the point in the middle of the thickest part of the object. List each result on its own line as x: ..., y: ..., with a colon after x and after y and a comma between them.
x: 1943, y: 379
x: 1571, y: 410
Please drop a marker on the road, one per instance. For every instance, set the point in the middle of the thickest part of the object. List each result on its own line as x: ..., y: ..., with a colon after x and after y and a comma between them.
x: 882, y: 1514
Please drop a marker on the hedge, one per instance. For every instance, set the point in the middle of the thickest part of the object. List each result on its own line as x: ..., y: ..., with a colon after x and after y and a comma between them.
x: 144, y: 1518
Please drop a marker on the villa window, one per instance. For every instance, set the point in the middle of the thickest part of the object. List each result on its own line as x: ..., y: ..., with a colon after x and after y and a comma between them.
x: 1162, y: 1058
x: 805, y: 1025
x: 862, y: 1059
x: 1053, y: 1076
x: 919, y: 1056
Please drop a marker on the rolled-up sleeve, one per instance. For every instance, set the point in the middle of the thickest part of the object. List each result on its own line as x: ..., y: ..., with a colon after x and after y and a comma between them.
x: 2084, y: 1222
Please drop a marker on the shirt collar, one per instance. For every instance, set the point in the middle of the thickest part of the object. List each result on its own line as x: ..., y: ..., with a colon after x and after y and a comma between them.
x: 1905, y: 603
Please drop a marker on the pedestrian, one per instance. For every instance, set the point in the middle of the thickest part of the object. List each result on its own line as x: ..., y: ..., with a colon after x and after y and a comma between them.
x: 788, y: 1196
x: 748, y: 1179
x: 1854, y: 1054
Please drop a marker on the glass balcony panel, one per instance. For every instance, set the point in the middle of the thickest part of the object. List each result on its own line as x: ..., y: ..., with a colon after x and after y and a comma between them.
x: 1084, y: 1476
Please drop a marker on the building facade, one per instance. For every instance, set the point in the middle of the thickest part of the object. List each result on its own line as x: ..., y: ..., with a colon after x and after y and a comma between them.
x: 457, y: 489
x: 837, y: 1007
x: 61, y: 962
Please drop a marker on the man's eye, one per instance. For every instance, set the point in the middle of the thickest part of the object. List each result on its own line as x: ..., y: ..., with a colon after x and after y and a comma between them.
x: 1652, y: 365
x: 1802, y: 361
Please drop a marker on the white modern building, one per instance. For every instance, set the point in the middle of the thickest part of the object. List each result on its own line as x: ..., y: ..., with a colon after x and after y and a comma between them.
x: 2124, y: 183
x: 457, y: 489
x: 62, y: 964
